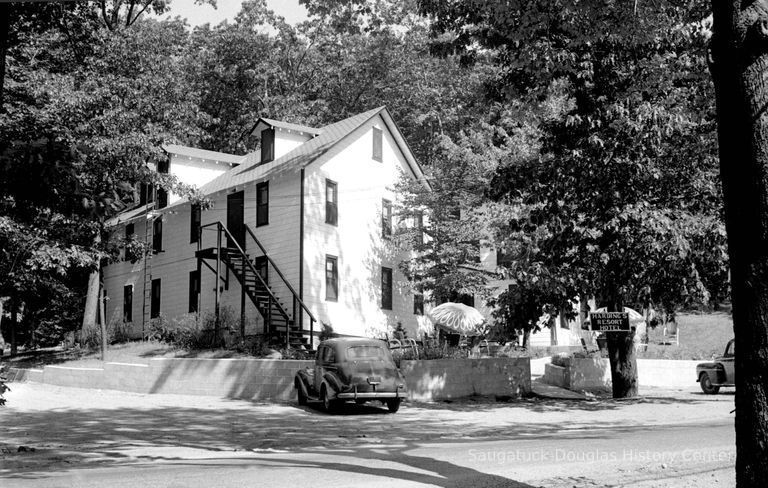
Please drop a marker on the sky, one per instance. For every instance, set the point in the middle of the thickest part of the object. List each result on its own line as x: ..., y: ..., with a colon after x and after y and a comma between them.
x: 227, y: 9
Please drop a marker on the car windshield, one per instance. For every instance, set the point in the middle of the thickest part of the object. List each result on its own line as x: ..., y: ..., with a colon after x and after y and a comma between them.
x: 365, y: 352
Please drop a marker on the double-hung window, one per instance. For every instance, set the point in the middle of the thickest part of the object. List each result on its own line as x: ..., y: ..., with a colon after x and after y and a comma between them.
x: 331, y: 278
x: 331, y: 202
x: 386, y: 288
x: 157, y: 235
x: 194, y: 290
x: 128, y: 303
x: 267, y: 145
x: 386, y: 219
x: 262, y: 203
x: 194, y: 223
x: 154, y: 311
x: 418, y: 304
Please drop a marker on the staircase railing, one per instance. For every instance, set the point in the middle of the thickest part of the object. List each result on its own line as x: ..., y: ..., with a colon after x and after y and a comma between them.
x: 222, y: 231
x: 297, y: 302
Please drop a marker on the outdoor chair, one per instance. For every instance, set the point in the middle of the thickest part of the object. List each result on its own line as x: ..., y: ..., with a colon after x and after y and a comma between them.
x: 397, y: 344
x: 671, y: 334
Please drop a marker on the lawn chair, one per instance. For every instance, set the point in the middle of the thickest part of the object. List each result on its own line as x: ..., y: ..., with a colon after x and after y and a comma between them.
x: 398, y: 345
x: 671, y: 332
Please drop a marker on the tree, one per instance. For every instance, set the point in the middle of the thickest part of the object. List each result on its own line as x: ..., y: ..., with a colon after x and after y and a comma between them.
x: 738, y: 63
x: 86, y: 112
x: 619, y: 194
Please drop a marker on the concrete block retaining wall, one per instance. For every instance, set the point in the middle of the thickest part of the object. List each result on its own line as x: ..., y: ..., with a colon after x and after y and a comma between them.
x: 595, y: 374
x: 246, y: 379
x: 580, y: 374
x: 265, y: 379
x: 443, y: 379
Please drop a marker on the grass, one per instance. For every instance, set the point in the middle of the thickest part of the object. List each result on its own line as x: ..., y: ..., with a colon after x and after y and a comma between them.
x: 702, y: 335
x: 128, y: 352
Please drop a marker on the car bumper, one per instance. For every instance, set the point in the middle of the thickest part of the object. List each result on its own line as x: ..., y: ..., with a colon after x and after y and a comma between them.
x: 370, y: 395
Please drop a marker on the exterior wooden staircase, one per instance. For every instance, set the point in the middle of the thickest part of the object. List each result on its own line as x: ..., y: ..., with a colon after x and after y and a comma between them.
x: 283, y: 325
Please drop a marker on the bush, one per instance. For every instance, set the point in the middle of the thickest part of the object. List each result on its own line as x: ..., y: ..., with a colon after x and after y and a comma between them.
x: 3, y: 389
x: 183, y: 332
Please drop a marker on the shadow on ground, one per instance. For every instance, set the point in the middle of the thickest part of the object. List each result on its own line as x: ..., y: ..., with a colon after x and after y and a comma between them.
x: 82, y: 437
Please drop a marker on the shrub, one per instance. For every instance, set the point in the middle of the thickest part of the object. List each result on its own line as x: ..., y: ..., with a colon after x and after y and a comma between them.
x: 3, y: 389
x: 183, y: 331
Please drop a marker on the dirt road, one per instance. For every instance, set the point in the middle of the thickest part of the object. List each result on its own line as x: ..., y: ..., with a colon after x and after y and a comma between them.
x: 77, y: 437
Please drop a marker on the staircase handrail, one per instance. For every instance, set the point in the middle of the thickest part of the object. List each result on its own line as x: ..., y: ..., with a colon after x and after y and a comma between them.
x: 222, y: 227
x: 287, y: 283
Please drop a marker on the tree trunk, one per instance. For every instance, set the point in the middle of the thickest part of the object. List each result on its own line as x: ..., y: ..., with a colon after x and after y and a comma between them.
x: 621, y: 353
x: 526, y: 338
x: 5, y: 14
x: 91, y: 307
x: 91, y: 311
x: 739, y: 63
x: 103, y: 323
x: 14, y: 323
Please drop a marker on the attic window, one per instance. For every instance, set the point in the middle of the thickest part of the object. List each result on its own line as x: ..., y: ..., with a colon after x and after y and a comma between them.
x: 377, y: 138
x: 267, y: 145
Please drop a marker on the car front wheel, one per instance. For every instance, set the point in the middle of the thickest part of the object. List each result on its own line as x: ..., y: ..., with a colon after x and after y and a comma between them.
x: 706, y: 385
x: 393, y: 404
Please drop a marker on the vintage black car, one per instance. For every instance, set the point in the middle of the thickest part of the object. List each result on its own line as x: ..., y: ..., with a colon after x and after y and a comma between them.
x: 719, y: 372
x: 351, y: 369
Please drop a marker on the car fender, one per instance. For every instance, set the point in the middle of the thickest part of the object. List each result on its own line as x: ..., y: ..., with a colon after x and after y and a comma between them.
x: 715, y: 370
x: 333, y: 381
x: 301, y: 381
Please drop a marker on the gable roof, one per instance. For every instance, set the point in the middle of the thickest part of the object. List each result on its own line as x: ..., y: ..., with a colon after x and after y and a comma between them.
x: 250, y: 167
x: 300, y: 157
x: 204, y: 154
x: 129, y: 215
x: 264, y: 123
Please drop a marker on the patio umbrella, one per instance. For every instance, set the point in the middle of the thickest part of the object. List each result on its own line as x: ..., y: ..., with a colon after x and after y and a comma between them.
x: 457, y: 318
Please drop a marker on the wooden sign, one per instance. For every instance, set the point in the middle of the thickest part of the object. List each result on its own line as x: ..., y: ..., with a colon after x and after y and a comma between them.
x: 610, y: 321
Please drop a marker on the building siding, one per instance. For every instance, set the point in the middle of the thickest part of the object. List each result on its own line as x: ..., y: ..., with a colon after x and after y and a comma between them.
x: 357, y: 239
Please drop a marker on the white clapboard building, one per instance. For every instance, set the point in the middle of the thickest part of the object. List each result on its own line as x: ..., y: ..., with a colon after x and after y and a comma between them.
x: 297, y: 235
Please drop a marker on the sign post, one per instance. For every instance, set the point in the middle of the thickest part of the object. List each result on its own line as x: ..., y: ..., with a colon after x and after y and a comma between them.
x: 609, y: 321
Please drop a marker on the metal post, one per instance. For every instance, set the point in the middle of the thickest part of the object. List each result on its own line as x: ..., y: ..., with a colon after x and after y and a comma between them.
x: 311, y: 332
x: 199, y: 289
x: 242, y: 301
x: 218, y: 287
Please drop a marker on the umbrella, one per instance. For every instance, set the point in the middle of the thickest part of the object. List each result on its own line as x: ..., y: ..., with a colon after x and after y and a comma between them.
x: 457, y: 318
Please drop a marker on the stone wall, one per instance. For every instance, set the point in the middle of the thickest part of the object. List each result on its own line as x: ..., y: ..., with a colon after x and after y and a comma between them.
x: 246, y: 379
x: 444, y: 379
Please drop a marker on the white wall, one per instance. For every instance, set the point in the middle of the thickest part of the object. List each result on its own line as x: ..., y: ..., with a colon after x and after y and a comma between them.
x: 172, y: 266
x: 194, y: 171
x: 286, y: 142
x: 357, y: 240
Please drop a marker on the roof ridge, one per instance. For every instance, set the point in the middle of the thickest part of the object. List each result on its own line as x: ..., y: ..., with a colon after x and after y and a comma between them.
x: 301, y: 156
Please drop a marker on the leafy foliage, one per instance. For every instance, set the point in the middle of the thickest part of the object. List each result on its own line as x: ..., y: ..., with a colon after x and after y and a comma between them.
x: 620, y: 199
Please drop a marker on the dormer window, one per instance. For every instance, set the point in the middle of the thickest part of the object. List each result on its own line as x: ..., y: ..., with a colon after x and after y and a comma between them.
x: 267, y: 145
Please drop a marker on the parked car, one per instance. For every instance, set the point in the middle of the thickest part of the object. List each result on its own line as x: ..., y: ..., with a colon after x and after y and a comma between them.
x: 351, y: 369
x: 719, y: 372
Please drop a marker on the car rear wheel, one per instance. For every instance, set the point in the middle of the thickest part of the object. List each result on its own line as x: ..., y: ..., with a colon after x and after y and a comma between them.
x: 329, y: 405
x: 706, y: 384
x: 393, y: 404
